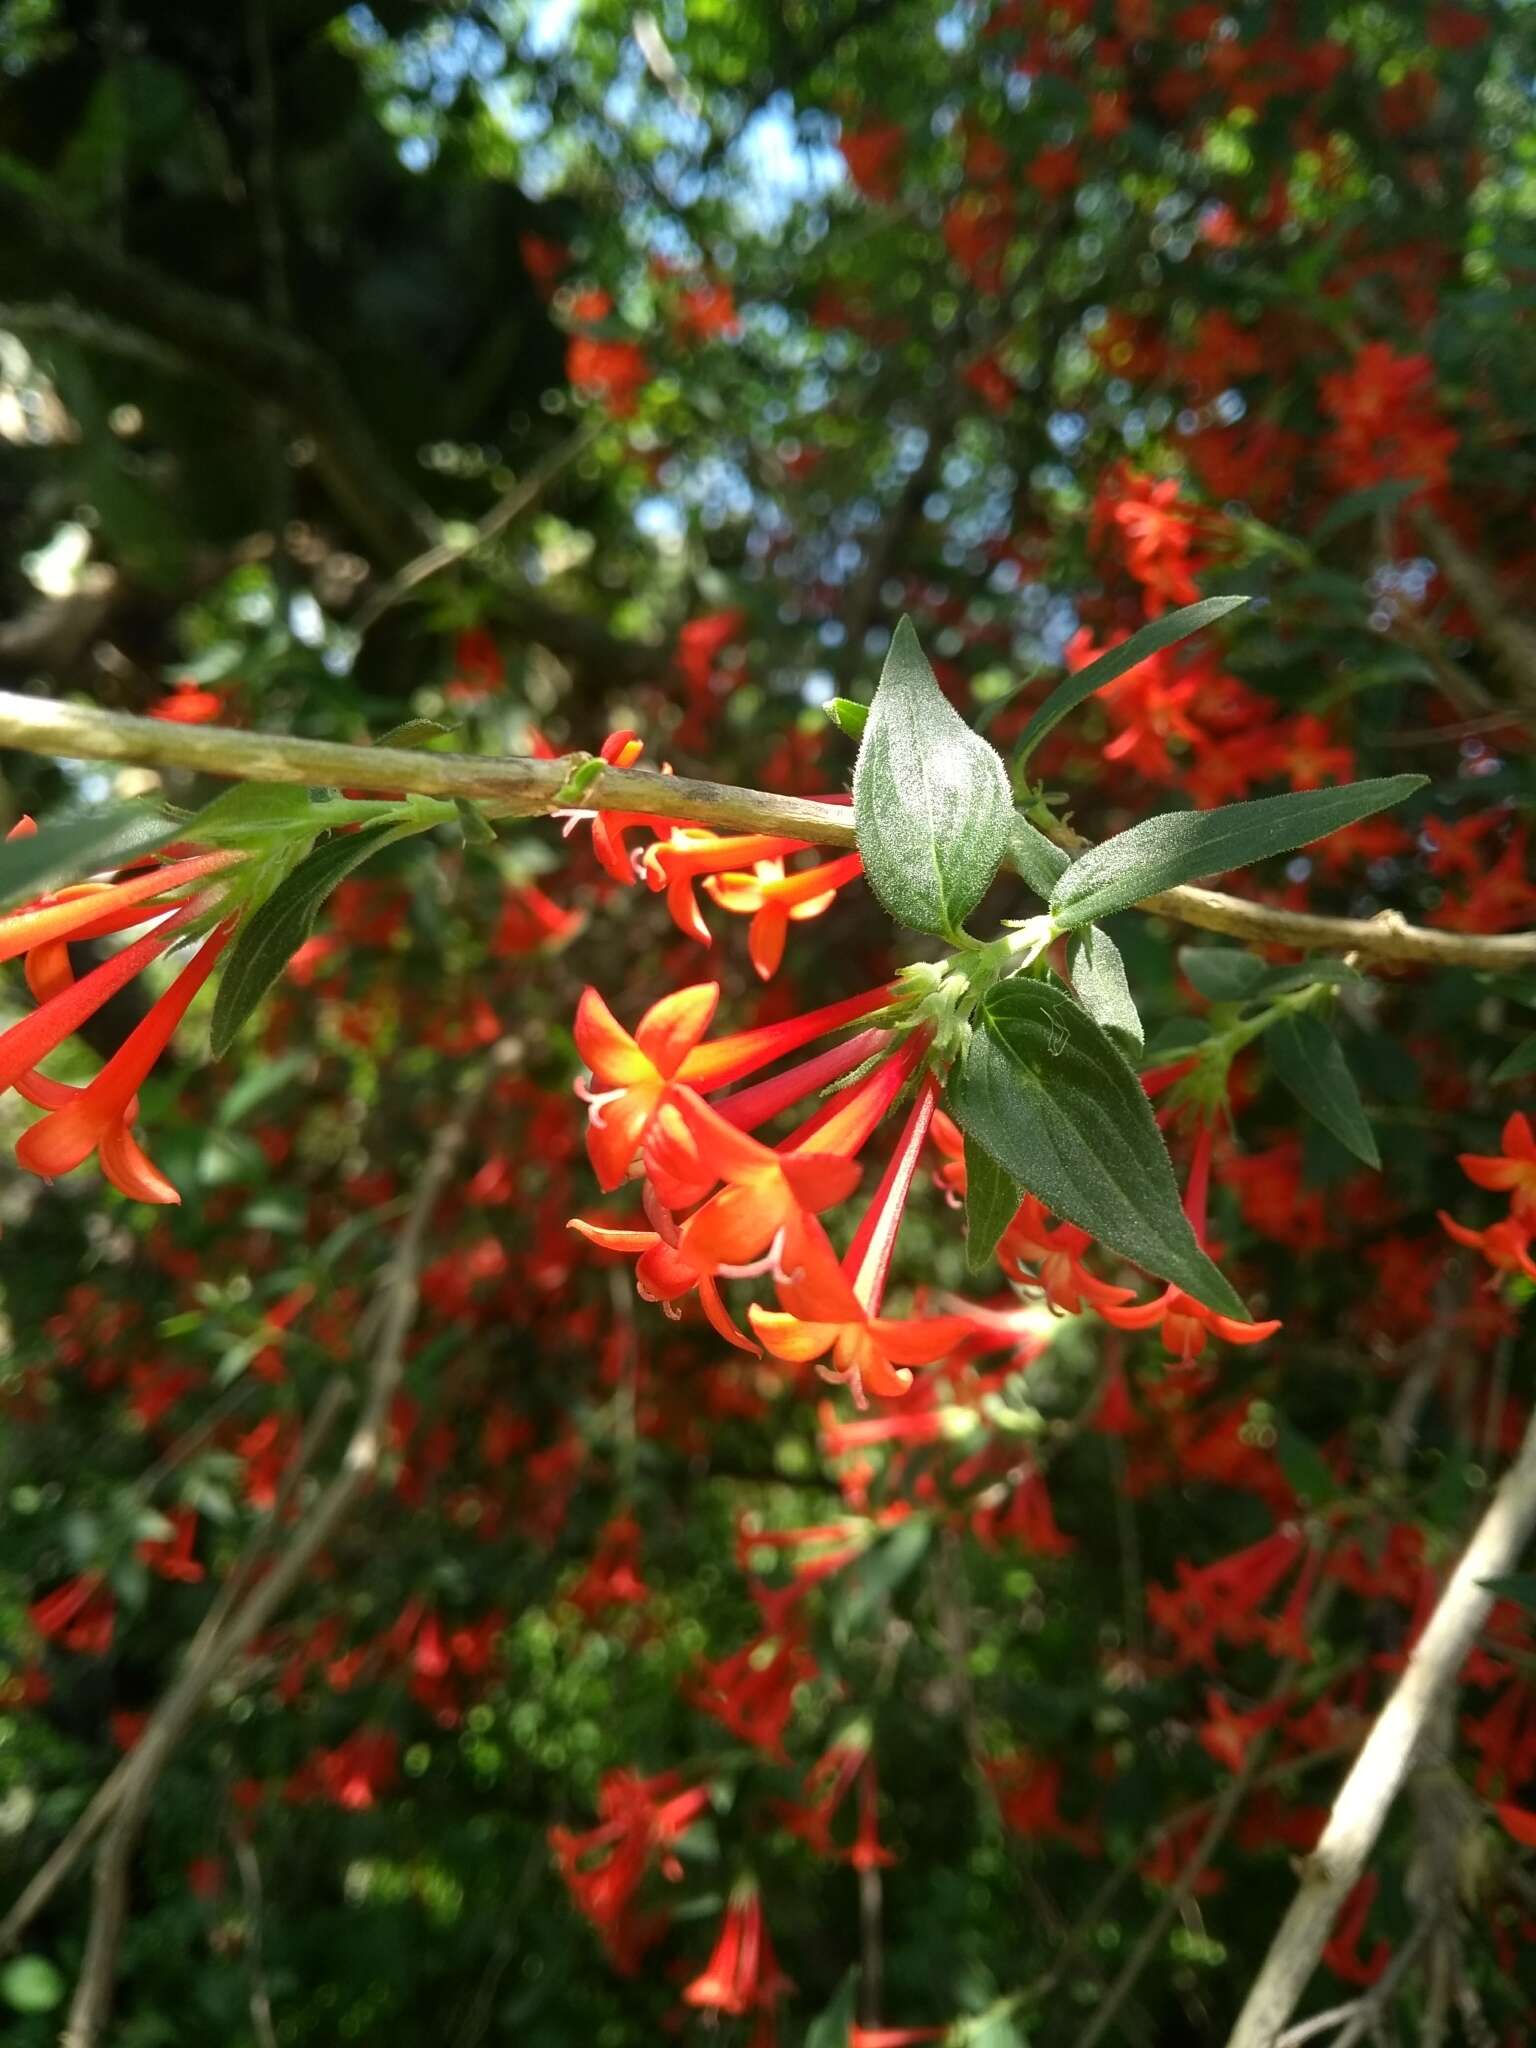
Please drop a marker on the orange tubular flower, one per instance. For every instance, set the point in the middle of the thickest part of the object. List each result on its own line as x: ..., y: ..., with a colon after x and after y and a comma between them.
x: 168, y: 898
x: 96, y: 1118
x: 774, y: 900
x: 830, y: 1307
x: 620, y: 750
x: 635, y: 1074
x: 689, y: 851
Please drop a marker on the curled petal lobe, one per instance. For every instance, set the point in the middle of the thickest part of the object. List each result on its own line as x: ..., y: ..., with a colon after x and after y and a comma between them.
x: 670, y: 1029
x: 607, y: 1048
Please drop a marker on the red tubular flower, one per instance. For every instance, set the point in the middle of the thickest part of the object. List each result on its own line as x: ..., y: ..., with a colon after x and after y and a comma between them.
x: 691, y: 851
x: 830, y: 1307
x: 635, y: 1073
x: 620, y: 750
x: 79, y: 1615
x: 1186, y: 1324
x: 752, y: 1691
x: 1028, y: 1793
x: 1222, y: 1600
x: 743, y: 1974
x: 171, y: 1556
x: 640, y: 1819
x: 774, y: 900
x: 96, y: 1118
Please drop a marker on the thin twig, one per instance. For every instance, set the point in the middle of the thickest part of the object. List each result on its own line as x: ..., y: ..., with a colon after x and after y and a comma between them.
x: 251, y: 1889
x: 524, y: 787
x: 1329, y: 1875
x: 511, y: 505
x: 1223, y: 1813
x: 120, y: 1803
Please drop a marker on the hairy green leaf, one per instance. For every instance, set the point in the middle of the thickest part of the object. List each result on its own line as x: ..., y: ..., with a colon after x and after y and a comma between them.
x: 253, y: 810
x: 81, y: 846
x: 992, y: 1195
x: 1184, y: 846
x: 848, y: 716
x: 931, y: 804
x: 269, y: 938
x: 1053, y: 1100
x: 1222, y: 974
x: 1097, y: 974
x: 1039, y: 860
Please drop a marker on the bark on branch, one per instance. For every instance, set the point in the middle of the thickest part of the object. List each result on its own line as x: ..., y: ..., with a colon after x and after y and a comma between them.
x: 520, y: 787
x: 1331, y: 1872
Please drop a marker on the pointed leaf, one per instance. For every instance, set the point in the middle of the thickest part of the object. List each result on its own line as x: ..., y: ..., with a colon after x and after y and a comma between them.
x: 847, y: 716
x: 931, y: 803
x: 1097, y: 974
x: 1052, y: 1099
x: 1222, y: 974
x: 992, y: 1197
x: 832, y: 2027
x: 1519, y: 1063
x: 1306, y: 1058
x: 274, y: 933
x: 253, y: 810
x: 1075, y: 689
x: 415, y: 733
x: 67, y: 852
x: 1183, y: 846
x: 476, y: 828
x: 1040, y: 861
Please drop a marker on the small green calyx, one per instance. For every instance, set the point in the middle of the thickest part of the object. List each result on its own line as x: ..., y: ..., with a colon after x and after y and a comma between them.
x: 942, y: 996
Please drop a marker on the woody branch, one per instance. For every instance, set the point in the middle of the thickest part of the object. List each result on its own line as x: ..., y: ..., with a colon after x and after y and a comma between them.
x: 1331, y: 1872
x: 521, y: 786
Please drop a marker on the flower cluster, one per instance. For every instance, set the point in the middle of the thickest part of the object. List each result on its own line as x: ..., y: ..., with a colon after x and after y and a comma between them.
x: 179, y: 899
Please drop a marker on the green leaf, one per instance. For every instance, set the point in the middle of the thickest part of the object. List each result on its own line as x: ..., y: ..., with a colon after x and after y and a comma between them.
x: 251, y: 810
x: 1517, y: 1586
x: 991, y: 1198
x: 931, y: 804
x: 1358, y: 505
x: 274, y: 933
x: 1306, y: 1058
x: 847, y: 716
x: 1222, y: 974
x: 1183, y: 846
x: 1053, y: 1100
x: 832, y: 2027
x: 583, y: 771
x: 31, y: 1984
x: 1097, y: 974
x: 1519, y: 1063
x: 1039, y: 860
x: 473, y: 823
x: 80, y: 846
x: 1167, y: 631
x: 415, y: 733
x: 865, y: 1589
x: 1304, y: 1466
